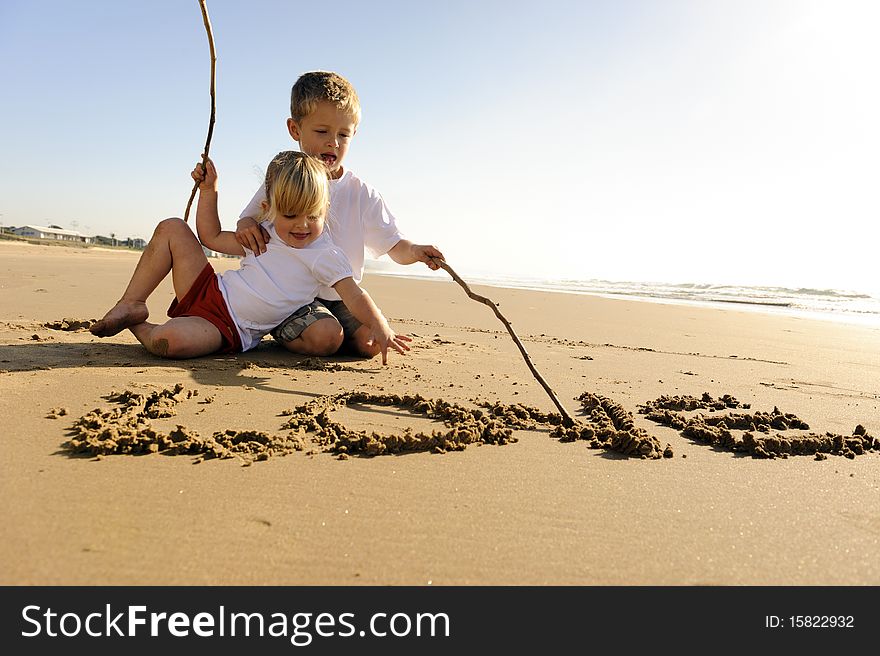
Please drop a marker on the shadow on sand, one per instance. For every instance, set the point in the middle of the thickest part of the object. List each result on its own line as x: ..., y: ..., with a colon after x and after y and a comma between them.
x: 217, y: 370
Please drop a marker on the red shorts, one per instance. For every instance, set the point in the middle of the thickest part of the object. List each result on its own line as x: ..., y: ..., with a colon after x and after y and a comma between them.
x: 205, y: 300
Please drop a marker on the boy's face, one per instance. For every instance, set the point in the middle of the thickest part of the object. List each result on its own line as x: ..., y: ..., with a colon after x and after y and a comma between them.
x: 298, y: 230
x: 325, y: 133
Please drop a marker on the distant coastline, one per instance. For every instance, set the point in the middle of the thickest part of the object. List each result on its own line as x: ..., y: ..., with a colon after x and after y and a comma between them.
x: 5, y: 236
x: 823, y: 304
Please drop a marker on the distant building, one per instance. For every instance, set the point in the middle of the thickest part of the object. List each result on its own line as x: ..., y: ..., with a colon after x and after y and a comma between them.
x: 209, y: 253
x: 136, y: 243
x: 52, y: 232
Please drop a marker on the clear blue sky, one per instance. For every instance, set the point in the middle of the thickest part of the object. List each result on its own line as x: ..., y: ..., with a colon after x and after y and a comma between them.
x: 707, y: 141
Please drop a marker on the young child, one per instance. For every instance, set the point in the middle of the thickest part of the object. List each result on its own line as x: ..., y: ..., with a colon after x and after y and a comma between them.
x: 231, y: 312
x: 324, y: 117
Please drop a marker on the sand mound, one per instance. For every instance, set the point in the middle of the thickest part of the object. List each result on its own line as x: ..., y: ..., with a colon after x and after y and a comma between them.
x: 69, y: 325
x: 463, y: 426
x: 612, y: 428
x: 716, y: 429
x: 128, y: 430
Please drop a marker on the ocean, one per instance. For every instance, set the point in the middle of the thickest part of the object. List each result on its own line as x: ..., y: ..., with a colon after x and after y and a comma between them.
x: 824, y: 304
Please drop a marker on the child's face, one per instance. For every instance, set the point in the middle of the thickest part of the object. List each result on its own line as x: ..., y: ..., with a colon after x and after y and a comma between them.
x: 298, y: 230
x: 325, y: 133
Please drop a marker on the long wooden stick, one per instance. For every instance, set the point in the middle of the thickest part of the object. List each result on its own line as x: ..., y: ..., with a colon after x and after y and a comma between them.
x: 566, y: 418
x: 207, y: 21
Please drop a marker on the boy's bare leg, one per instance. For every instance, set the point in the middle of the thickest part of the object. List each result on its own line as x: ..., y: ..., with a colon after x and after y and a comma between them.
x: 362, y: 344
x: 180, y: 337
x: 173, y: 248
x: 324, y: 337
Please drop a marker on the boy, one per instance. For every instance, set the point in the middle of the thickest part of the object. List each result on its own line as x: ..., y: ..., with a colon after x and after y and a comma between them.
x: 324, y: 117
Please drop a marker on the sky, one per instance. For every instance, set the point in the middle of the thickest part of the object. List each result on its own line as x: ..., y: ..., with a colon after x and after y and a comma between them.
x: 709, y: 141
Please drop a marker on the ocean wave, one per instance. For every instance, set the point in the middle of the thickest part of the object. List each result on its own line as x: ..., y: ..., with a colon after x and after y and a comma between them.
x: 822, y: 303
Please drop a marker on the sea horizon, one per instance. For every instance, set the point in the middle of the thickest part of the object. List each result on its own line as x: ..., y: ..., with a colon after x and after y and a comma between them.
x: 827, y: 304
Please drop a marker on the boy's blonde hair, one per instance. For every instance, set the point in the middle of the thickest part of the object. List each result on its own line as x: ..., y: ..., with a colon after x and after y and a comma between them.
x: 296, y: 184
x: 313, y: 87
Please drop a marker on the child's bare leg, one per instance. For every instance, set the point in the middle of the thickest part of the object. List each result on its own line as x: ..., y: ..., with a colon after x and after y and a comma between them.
x: 362, y: 344
x: 324, y: 337
x: 173, y: 248
x: 181, y: 337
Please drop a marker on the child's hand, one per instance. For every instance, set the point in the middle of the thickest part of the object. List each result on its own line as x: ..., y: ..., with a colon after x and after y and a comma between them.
x: 251, y: 235
x: 384, y: 337
x: 424, y: 253
x: 207, y: 181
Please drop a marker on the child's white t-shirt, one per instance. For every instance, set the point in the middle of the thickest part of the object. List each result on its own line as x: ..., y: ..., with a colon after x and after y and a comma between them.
x: 265, y: 290
x: 358, y: 218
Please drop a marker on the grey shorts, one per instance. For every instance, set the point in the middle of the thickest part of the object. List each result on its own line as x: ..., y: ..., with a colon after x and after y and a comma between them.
x: 292, y: 326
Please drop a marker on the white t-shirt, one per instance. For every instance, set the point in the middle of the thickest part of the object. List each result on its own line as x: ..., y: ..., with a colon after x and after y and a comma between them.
x: 265, y: 290
x: 358, y: 218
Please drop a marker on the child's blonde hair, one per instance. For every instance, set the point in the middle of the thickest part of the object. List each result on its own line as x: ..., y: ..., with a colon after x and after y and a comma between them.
x: 296, y: 184
x: 313, y: 87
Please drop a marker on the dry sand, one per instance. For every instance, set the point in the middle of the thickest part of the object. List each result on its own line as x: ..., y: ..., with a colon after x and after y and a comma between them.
x: 532, y: 509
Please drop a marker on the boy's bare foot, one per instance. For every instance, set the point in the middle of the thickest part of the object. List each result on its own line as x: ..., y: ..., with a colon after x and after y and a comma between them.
x: 121, y: 316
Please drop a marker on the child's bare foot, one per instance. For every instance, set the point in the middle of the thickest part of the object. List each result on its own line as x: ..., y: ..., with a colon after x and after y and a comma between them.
x: 121, y: 316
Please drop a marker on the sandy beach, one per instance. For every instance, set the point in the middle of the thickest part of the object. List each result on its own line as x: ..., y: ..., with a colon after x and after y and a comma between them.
x: 534, y: 510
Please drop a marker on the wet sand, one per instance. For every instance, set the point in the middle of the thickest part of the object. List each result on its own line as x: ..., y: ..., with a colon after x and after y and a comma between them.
x: 262, y: 468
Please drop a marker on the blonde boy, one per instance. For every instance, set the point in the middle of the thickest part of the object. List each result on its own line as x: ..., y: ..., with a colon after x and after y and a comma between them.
x: 324, y: 116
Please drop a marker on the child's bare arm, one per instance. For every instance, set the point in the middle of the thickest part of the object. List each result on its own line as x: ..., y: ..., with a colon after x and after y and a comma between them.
x: 364, y: 310
x: 251, y: 235
x: 406, y: 252
x: 207, y: 217
x: 248, y: 231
